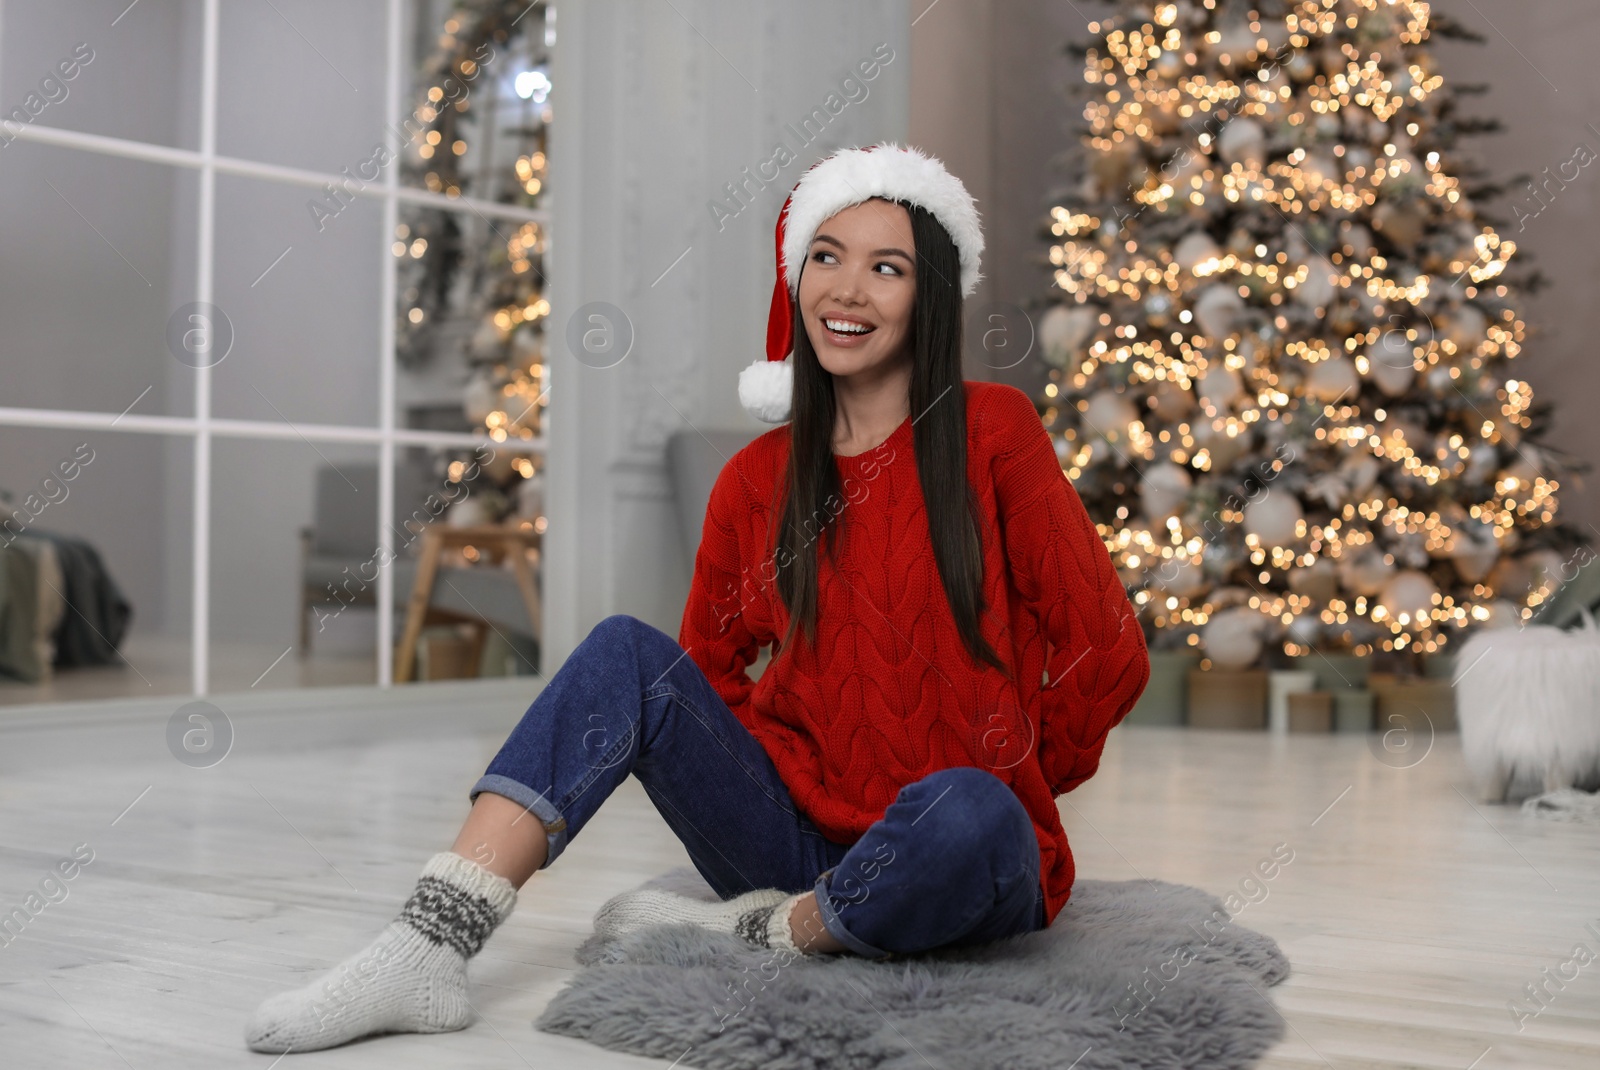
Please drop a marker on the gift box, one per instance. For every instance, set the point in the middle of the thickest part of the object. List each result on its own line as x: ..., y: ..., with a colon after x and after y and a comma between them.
x: 1228, y: 698
x: 1417, y: 702
x: 1352, y: 711
x: 1311, y: 711
x: 1165, y: 696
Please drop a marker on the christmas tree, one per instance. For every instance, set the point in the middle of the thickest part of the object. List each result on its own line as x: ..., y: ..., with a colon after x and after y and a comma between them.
x: 468, y: 137
x: 1283, y: 338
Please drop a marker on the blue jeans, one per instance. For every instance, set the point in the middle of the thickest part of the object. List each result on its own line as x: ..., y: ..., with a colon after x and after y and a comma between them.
x: 953, y: 860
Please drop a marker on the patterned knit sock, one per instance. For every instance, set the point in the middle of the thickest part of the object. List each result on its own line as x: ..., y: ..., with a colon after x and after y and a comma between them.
x: 760, y: 917
x: 411, y: 979
x: 770, y: 926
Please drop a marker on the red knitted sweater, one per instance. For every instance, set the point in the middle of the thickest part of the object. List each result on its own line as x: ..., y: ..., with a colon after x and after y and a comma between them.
x: 889, y: 693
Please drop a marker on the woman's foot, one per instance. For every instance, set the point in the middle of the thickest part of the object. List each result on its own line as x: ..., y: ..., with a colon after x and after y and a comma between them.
x: 411, y: 979
x: 760, y: 917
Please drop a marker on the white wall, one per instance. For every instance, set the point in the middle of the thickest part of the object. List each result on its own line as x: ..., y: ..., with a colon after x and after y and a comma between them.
x: 657, y: 107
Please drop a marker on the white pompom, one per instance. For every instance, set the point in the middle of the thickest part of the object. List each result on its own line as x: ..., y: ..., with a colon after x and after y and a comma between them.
x: 766, y: 389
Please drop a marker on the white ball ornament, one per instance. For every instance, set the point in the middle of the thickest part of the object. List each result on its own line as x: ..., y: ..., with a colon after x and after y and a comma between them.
x: 1172, y: 402
x: 1306, y: 629
x: 1394, y: 379
x: 1243, y: 141
x: 1274, y: 519
x: 1467, y: 327
x: 1512, y: 578
x: 1357, y: 239
x: 1360, y: 471
x: 487, y: 341
x: 1525, y: 469
x: 1195, y: 248
x: 1549, y: 568
x: 480, y: 398
x: 1364, y: 571
x: 1236, y: 41
x: 1474, y: 549
x: 1163, y: 489
x: 1503, y: 613
x: 1222, y: 447
x: 1063, y: 330
x: 1217, y: 309
x: 1319, y: 288
x: 1320, y: 167
x: 1318, y: 581
x: 1220, y: 385
x: 1333, y: 378
x: 1109, y: 413
x: 1409, y: 592
x: 1181, y: 578
x: 1233, y: 637
x: 1482, y: 460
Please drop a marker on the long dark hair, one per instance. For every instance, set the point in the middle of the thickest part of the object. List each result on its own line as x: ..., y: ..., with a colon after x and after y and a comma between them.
x: 939, y: 412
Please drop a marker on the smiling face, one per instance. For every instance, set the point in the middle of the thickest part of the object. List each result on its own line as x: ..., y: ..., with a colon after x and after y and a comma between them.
x: 857, y: 287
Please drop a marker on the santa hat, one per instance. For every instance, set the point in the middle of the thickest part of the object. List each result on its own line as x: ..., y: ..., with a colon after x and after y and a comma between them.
x: 849, y: 176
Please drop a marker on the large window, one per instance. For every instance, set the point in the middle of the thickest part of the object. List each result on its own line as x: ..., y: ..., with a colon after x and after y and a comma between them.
x: 276, y: 268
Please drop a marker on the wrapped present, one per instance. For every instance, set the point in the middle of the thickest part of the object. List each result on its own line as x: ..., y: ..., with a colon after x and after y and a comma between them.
x: 1228, y: 698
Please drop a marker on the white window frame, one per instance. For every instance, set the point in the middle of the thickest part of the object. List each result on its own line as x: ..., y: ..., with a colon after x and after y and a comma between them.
x: 202, y: 426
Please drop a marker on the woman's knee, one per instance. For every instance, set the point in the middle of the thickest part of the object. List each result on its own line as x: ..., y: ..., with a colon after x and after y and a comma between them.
x: 624, y: 629
x: 970, y: 809
x: 617, y: 628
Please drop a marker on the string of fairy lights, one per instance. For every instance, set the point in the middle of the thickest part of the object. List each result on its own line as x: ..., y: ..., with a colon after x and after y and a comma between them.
x: 1281, y: 355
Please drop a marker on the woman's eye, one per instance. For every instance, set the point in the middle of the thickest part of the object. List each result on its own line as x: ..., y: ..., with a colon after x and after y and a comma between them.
x: 890, y: 266
x: 819, y: 254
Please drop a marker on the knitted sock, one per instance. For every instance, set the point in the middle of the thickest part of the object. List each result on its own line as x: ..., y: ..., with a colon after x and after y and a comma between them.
x: 760, y: 917
x: 411, y: 979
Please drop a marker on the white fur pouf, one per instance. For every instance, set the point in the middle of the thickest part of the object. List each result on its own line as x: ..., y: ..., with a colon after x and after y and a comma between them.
x: 1528, y: 702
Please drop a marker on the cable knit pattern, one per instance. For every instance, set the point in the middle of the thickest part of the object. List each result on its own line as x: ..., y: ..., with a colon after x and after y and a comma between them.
x: 889, y: 694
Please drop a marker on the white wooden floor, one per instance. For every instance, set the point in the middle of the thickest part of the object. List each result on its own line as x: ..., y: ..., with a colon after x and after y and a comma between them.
x: 1411, y: 916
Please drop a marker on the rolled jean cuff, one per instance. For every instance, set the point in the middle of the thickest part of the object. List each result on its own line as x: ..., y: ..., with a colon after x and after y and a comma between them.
x: 555, y: 825
x: 835, y: 925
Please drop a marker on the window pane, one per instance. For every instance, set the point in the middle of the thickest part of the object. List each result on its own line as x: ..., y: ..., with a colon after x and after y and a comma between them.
x: 302, y: 305
x: 477, y: 105
x: 104, y: 611
x: 99, y: 67
x: 294, y: 553
x: 98, y: 248
x: 457, y: 491
x: 301, y: 82
x: 470, y: 332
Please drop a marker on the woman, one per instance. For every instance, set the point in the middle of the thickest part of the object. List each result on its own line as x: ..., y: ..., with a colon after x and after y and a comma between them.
x: 910, y: 547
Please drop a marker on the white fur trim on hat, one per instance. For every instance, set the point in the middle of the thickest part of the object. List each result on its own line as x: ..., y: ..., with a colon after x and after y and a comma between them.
x: 766, y: 388
x: 851, y: 176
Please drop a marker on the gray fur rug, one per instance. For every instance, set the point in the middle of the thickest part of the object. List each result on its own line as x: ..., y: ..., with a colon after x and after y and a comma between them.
x: 1138, y: 974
